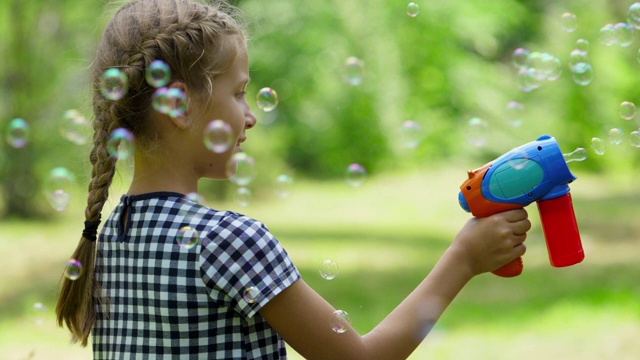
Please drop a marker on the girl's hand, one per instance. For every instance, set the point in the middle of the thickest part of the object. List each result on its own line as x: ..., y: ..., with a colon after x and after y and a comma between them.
x: 486, y: 244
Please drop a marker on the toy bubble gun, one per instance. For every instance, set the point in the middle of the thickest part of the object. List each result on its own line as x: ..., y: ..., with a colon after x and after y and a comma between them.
x: 536, y: 171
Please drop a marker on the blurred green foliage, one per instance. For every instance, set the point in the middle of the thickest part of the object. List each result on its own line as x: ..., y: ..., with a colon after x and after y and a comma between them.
x: 450, y: 63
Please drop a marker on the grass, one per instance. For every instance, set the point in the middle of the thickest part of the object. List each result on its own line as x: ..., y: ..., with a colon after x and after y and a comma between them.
x: 385, y: 237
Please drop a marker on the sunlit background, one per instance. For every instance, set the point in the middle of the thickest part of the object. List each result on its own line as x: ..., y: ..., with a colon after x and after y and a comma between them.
x: 369, y: 115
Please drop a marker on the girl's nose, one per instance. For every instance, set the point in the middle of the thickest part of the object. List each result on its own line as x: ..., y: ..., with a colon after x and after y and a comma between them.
x: 251, y: 119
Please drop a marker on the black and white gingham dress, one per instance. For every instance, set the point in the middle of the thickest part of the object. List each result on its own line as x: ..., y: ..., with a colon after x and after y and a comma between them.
x: 169, y: 302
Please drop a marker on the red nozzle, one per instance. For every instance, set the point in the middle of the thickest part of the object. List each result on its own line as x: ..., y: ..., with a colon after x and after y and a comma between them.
x: 561, y: 231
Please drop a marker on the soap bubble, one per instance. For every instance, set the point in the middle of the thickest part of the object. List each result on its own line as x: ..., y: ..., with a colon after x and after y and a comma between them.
x: 599, y: 146
x: 579, y: 154
x: 114, y: 84
x: 75, y: 127
x: 40, y: 310
x: 514, y: 113
x: 607, y: 35
x: 583, y: 74
x: 218, y: 136
x: 569, y: 22
x: 251, y: 295
x: 284, y: 185
x: 121, y: 144
x: 520, y: 58
x: 340, y: 321
x: 413, y: 9
x: 195, y: 197
x: 354, y: 71
x: 241, y: 169
x: 73, y: 271
x: 624, y: 34
x: 550, y: 67
x: 477, y: 132
x: 634, y: 138
x: 243, y: 196
x: 355, y: 175
x: 616, y: 136
x: 633, y: 15
x: 169, y: 101
x: 627, y: 110
x: 58, y: 186
x: 267, y: 99
x: 158, y: 74
x: 18, y: 133
x: 187, y: 237
x: 529, y: 79
x: 576, y: 57
x: 410, y: 134
x: 582, y: 45
x: 329, y: 269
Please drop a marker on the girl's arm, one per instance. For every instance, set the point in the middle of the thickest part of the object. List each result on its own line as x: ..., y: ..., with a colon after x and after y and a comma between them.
x: 302, y: 317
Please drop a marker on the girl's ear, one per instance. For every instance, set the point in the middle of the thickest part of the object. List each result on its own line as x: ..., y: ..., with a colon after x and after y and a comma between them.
x: 182, y: 121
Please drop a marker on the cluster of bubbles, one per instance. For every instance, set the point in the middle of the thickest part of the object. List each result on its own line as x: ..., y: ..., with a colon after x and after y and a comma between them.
x: 534, y: 68
x: 340, y: 321
x: 328, y: 270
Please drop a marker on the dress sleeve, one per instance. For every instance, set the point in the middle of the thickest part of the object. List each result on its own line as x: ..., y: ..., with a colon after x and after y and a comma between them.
x: 245, y: 264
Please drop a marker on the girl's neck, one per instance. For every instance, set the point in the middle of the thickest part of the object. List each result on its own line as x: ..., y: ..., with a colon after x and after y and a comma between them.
x: 152, y: 176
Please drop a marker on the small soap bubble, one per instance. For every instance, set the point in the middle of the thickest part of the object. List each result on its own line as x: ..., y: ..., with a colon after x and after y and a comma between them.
x: 58, y: 186
x: 160, y: 101
x: 514, y: 113
x: 520, y: 58
x: 355, y: 175
x: 218, y: 136
x: 569, y: 22
x: 243, y: 196
x: 158, y: 74
x: 599, y: 146
x: 241, y: 169
x: 18, y: 133
x: 340, y: 321
x: 627, y: 110
x: 251, y: 295
x: 267, y: 99
x: 413, y: 9
x: 121, y: 144
x: 187, y: 237
x: 329, y: 269
x: 582, y: 45
x: 284, y: 186
x: 634, y: 139
x: 39, y: 310
x: 633, y: 15
x: 616, y: 136
x: 177, y: 102
x: 583, y: 74
x: 114, y: 84
x: 477, y: 132
x: 410, y: 134
x: 638, y: 56
x: 576, y: 57
x: 550, y: 67
x: 624, y: 34
x: 529, y: 79
x: 75, y: 127
x: 607, y: 35
x: 579, y: 154
x: 195, y: 197
x: 73, y: 271
x: 354, y: 71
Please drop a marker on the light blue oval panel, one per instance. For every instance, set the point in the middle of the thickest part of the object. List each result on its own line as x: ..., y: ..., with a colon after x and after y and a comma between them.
x: 515, y: 177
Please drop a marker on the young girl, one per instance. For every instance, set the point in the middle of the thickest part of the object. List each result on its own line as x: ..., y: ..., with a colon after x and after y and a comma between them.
x: 236, y: 294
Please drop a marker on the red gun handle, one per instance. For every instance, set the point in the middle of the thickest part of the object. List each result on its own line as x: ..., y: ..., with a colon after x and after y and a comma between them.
x: 513, y: 268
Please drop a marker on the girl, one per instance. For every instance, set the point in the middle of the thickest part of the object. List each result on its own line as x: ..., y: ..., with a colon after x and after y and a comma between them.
x: 236, y: 294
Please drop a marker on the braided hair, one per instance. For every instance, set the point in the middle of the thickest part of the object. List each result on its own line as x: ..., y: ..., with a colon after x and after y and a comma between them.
x: 198, y: 41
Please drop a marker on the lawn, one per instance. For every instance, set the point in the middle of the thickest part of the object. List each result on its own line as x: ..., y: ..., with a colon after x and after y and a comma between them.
x: 385, y: 237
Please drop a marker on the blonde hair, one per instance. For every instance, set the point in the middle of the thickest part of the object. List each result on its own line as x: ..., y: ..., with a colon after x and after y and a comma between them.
x: 198, y: 41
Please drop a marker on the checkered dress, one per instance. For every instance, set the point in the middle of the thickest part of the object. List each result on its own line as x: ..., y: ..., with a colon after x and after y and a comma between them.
x: 172, y: 301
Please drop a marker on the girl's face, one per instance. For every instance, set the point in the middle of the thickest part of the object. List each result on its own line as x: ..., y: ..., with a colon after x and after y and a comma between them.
x: 229, y: 104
